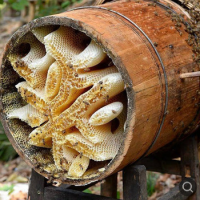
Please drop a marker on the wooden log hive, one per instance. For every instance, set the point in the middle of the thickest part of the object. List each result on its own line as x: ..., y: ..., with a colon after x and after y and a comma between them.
x: 86, y: 92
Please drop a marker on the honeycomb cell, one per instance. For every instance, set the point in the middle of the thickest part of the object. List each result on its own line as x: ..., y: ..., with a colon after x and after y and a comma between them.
x: 91, y: 56
x: 73, y: 102
x: 73, y: 42
x: 79, y: 166
x: 52, y: 85
x: 43, y: 31
x: 35, y: 97
x: 28, y: 114
x: 106, y: 114
x: 33, y: 53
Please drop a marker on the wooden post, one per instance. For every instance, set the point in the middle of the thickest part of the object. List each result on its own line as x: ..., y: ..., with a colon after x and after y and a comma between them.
x: 134, y: 183
x: 36, y: 186
x: 190, y: 162
x: 109, y: 186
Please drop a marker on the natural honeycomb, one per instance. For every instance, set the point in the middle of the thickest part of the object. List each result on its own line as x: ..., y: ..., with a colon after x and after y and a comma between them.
x: 28, y: 114
x: 71, y: 100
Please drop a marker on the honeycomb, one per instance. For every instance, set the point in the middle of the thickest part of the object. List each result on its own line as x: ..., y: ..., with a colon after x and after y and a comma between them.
x: 67, y: 107
x: 29, y: 115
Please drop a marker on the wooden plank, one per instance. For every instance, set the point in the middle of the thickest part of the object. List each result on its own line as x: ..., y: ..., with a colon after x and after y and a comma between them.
x: 109, y: 186
x: 190, y: 162
x: 78, y: 188
x: 161, y: 165
x: 53, y: 193
x: 173, y: 194
x: 134, y: 183
x: 36, y: 187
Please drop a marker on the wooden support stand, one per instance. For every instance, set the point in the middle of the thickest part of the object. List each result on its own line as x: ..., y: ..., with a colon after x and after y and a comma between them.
x: 134, y: 179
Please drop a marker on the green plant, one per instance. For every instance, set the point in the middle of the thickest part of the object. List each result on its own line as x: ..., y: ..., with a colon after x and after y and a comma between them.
x: 151, y: 182
x: 18, y: 4
x: 88, y: 191
x: 118, y: 194
x: 6, y: 150
x: 8, y: 188
x: 43, y: 7
x: 47, y: 7
x: 52, y: 7
x: 2, y: 6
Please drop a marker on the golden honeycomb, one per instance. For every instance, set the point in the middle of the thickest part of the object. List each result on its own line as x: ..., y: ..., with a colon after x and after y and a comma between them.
x: 67, y: 105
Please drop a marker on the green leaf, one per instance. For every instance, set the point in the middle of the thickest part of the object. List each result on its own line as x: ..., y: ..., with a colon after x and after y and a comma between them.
x: 17, y: 6
x: 3, y: 137
x: 11, y: 1
x: 88, y: 191
x: 25, y: 2
x: 1, y: 152
x: 118, y: 194
x: 65, y: 4
x: 6, y: 150
x: 10, y: 191
x: 48, y: 11
x: 9, y: 188
x: 8, y: 153
x: 20, y: 5
x: 151, y: 182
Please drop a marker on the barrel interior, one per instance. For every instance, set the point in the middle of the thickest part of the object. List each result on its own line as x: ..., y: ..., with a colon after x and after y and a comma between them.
x: 64, y: 102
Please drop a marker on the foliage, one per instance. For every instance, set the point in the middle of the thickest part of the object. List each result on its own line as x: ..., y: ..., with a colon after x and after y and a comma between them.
x: 118, y: 194
x: 47, y: 8
x: 43, y: 7
x: 52, y: 7
x: 2, y: 6
x: 6, y: 150
x: 9, y: 188
x: 151, y: 182
x: 18, y: 5
x: 88, y: 191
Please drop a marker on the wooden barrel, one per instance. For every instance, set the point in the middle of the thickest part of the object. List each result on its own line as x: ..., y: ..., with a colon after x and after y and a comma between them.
x: 147, y: 42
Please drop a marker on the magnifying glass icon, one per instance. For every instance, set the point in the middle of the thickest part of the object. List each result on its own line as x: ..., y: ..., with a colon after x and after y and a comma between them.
x: 187, y: 186
x: 187, y: 189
